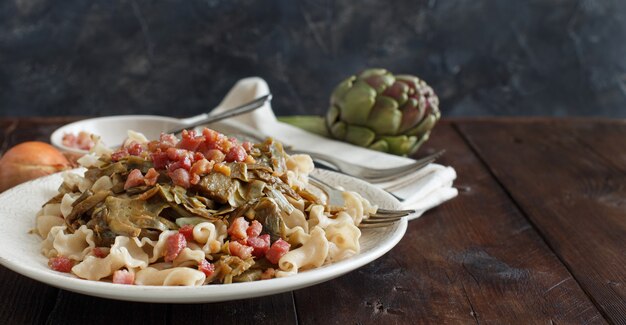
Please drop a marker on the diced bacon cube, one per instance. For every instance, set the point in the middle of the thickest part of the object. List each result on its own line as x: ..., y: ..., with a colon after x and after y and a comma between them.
x: 214, y: 155
x: 176, y: 154
x: 239, y: 250
x: 278, y: 249
x: 151, y: 177
x: 159, y: 159
x: 168, y: 140
x: 100, y: 252
x: 200, y: 168
x: 187, y: 231
x: 254, y: 229
x: 119, y: 154
x: 123, y: 277
x: 180, y: 177
x: 213, y: 139
x: 207, y: 268
x: 134, y: 149
x: 247, y: 145
x: 189, y: 141
x: 61, y: 264
x: 184, y: 162
x: 237, y: 229
x: 236, y: 153
x: 260, y: 244
x: 174, y: 245
x: 70, y: 140
x: 225, y: 144
x: 135, y: 178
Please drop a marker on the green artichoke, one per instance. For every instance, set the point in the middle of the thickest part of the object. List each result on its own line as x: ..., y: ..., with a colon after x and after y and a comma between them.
x: 380, y: 111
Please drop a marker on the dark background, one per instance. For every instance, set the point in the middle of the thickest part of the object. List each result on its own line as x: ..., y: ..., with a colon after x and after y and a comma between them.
x: 536, y: 57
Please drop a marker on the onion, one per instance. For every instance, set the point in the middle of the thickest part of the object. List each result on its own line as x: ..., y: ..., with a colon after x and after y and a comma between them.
x: 30, y: 160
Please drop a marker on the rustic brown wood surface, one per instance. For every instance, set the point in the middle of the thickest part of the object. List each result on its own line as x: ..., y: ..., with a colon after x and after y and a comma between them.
x: 570, y: 181
x: 536, y: 236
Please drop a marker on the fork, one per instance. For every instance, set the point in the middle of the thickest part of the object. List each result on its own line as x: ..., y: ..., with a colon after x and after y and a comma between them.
x: 382, y: 217
x: 372, y: 175
x: 239, y: 110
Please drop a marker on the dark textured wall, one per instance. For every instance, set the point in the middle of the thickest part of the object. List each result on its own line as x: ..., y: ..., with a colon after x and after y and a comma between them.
x: 536, y: 57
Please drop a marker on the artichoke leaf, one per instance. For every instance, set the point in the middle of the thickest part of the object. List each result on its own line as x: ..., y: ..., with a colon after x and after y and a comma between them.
x: 361, y: 136
x: 357, y: 103
x: 339, y: 130
x: 342, y: 89
x: 278, y: 157
x: 106, y: 170
x: 379, y: 79
x: 280, y: 200
x: 268, y: 214
x: 238, y: 170
x: 425, y: 125
x: 248, y: 276
x: 135, y: 162
x: 84, y: 206
x: 380, y: 145
x: 398, y: 91
x: 400, y: 144
x: 127, y: 216
x: 412, y: 114
x: 385, y: 117
x: 217, y: 186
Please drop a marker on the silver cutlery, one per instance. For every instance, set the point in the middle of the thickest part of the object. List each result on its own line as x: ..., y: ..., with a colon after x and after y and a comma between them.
x: 382, y: 217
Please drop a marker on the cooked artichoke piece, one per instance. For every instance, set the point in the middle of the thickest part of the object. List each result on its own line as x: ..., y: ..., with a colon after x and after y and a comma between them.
x: 248, y: 276
x: 103, y: 234
x: 84, y: 206
x: 279, y: 157
x: 238, y: 170
x: 267, y: 212
x: 128, y: 216
x: 217, y: 187
x: 135, y: 162
x: 93, y: 174
x: 230, y: 266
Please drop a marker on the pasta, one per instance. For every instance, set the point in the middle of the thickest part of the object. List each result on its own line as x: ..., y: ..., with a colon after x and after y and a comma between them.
x: 203, y: 209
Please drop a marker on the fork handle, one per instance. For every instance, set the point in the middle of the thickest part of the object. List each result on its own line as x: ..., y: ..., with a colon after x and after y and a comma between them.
x: 245, y: 108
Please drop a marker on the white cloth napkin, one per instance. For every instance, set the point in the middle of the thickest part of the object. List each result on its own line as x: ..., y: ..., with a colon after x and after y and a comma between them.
x: 421, y: 190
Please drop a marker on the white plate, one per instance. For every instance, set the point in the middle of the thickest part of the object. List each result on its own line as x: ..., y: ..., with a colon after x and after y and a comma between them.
x: 20, y: 250
x: 112, y: 129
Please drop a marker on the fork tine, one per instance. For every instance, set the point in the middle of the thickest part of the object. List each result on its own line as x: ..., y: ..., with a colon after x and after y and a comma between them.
x: 388, y: 216
x: 382, y: 218
x: 373, y: 219
x: 376, y: 225
x: 386, y: 211
x: 383, y: 175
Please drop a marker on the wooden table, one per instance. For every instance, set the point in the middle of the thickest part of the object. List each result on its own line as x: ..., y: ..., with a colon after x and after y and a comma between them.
x: 537, y: 235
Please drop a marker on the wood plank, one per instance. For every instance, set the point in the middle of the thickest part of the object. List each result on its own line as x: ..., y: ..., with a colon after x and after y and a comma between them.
x: 568, y: 177
x: 24, y: 301
x: 74, y: 308
x: 275, y: 309
x: 473, y: 259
